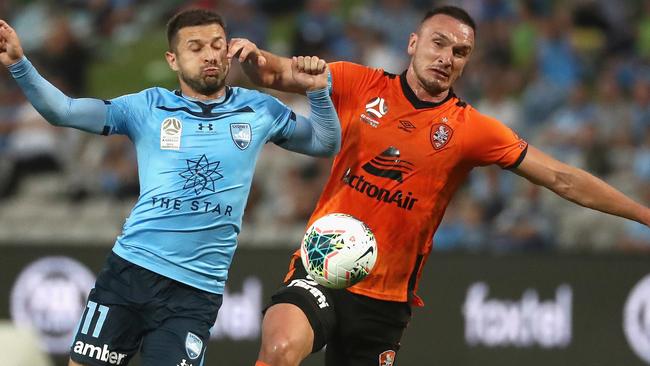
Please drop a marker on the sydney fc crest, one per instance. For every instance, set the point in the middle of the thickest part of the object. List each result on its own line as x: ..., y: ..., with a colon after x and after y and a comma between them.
x: 193, y: 346
x: 241, y: 134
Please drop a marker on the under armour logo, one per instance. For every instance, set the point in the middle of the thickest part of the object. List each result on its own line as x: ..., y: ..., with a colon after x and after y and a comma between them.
x: 184, y: 363
x: 202, y: 126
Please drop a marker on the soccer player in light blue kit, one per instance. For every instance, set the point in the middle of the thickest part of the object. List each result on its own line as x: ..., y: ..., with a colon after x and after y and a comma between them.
x: 161, y: 287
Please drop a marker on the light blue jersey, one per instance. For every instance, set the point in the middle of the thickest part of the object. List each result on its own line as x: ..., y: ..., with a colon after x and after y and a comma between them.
x: 196, y: 163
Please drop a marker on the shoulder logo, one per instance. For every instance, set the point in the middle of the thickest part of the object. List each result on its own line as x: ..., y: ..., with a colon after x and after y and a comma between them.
x: 375, y: 109
x: 193, y: 346
x: 241, y: 134
x: 387, y: 358
x: 171, y: 130
x: 440, y: 135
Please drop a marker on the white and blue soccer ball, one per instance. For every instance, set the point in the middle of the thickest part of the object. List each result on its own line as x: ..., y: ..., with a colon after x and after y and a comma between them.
x: 338, y: 250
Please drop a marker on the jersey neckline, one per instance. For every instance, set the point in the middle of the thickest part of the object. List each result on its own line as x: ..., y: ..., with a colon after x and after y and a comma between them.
x: 213, y: 104
x: 417, y: 102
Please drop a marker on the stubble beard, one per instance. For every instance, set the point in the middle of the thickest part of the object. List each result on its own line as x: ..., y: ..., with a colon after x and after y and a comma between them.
x: 205, y: 85
x: 432, y: 86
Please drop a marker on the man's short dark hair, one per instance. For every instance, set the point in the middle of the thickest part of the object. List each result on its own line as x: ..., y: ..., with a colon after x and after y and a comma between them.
x: 453, y: 11
x: 191, y: 18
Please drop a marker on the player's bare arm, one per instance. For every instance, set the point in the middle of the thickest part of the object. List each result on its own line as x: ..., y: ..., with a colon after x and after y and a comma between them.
x: 578, y: 186
x: 264, y: 68
x: 10, y: 49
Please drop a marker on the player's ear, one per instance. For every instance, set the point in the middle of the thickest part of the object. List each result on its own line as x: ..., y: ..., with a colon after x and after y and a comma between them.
x: 171, y: 60
x: 413, y: 40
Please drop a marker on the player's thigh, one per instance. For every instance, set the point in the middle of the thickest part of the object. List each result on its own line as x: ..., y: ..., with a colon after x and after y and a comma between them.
x: 180, y: 324
x: 111, y: 327
x: 369, y: 331
x: 302, y: 299
x: 108, y: 334
x: 178, y: 341
x: 287, y: 325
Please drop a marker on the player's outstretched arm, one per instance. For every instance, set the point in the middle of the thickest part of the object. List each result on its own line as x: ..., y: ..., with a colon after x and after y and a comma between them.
x: 264, y: 68
x: 57, y: 108
x: 320, y: 134
x: 578, y: 186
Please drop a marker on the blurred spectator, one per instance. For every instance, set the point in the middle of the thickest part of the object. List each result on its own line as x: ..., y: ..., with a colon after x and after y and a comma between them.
x: 556, y: 58
x: 244, y: 20
x: 319, y: 31
x: 63, y: 57
x: 572, y: 77
x: 525, y: 224
x: 392, y: 20
x: 32, y: 147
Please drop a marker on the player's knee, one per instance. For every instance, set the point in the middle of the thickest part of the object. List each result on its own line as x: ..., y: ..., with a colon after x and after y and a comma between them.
x: 281, y: 350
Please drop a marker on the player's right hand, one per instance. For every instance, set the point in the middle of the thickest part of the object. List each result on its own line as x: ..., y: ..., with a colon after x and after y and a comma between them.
x: 10, y: 49
x: 245, y: 51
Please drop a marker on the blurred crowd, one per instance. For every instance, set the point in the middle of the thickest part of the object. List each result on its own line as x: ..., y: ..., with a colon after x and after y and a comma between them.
x: 572, y: 77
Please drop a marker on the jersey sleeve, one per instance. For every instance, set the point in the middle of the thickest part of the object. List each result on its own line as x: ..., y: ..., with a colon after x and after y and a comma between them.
x: 347, y: 79
x: 125, y: 113
x: 120, y: 112
x: 283, y: 121
x: 489, y: 141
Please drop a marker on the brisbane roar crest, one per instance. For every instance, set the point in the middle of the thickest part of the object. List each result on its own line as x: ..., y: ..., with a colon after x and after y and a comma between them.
x: 441, y: 134
x: 387, y: 358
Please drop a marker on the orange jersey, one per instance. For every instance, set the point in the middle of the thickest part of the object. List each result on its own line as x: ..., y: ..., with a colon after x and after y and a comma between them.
x: 401, y: 160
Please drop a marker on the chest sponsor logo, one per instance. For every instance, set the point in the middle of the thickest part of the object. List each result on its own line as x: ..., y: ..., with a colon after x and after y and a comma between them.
x: 387, y: 358
x: 376, y: 108
x: 389, y: 165
x: 201, y: 175
x: 171, y: 130
x: 241, y: 134
x: 441, y: 134
x: 385, y: 165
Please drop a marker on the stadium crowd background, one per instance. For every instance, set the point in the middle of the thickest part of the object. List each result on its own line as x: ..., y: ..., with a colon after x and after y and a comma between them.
x: 572, y: 77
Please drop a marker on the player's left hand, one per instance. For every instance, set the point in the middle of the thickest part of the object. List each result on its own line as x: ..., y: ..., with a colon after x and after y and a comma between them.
x: 310, y: 72
x: 10, y: 48
x: 245, y: 51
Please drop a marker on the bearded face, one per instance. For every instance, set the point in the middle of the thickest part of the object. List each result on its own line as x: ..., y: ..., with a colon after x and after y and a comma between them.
x: 199, y: 58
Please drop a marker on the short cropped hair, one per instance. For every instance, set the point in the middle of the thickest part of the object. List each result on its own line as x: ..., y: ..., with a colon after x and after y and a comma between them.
x: 191, y: 18
x: 453, y: 11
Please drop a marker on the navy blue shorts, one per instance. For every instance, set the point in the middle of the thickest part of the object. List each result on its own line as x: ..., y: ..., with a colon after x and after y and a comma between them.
x: 358, y: 330
x: 132, y: 308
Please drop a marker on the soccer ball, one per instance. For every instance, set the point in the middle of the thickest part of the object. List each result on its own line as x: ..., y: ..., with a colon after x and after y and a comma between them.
x: 338, y: 251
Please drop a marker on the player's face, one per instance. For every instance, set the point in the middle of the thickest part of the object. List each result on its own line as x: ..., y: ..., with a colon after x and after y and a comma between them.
x: 199, y: 58
x: 439, y: 51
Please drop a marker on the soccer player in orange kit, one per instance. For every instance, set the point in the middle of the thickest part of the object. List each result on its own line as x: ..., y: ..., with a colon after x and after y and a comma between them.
x: 408, y: 142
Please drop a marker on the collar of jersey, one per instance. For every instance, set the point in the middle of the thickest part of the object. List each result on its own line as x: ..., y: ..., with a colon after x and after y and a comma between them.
x: 415, y: 101
x: 214, y: 102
